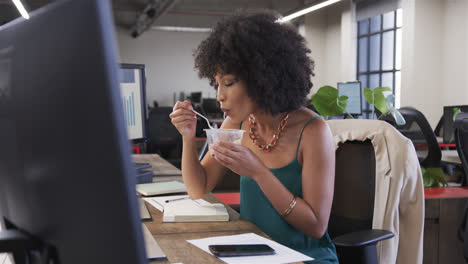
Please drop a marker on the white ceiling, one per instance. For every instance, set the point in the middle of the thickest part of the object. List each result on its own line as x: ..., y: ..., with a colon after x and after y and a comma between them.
x: 186, y: 13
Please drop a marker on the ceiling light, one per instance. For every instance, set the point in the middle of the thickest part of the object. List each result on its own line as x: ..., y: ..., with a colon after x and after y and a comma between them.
x: 307, y: 10
x: 181, y: 29
x: 21, y: 8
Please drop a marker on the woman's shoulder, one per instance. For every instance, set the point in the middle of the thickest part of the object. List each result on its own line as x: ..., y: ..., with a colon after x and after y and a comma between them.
x: 305, y: 117
x: 310, y: 122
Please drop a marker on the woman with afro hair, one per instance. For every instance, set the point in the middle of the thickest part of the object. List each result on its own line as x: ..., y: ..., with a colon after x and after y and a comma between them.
x: 261, y: 71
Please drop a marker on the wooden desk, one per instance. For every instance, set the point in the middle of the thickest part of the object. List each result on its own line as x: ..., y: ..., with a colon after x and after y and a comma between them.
x: 172, y: 237
x: 444, y: 208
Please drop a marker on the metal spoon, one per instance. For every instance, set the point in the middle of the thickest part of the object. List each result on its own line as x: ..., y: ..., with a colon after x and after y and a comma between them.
x: 207, y: 121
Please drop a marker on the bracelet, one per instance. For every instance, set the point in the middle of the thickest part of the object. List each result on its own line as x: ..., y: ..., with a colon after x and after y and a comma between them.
x: 291, y: 206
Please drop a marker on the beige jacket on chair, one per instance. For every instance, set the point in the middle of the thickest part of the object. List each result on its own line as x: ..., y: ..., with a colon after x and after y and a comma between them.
x: 399, y: 191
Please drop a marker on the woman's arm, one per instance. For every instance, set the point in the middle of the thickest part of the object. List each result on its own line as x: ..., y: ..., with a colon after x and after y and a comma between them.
x: 199, y: 177
x: 310, y: 214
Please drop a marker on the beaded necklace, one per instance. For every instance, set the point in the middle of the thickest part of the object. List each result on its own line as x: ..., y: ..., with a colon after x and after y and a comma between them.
x: 276, y: 136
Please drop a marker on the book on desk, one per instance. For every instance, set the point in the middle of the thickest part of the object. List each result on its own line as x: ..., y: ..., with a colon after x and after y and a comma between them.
x: 180, y: 208
x: 157, y: 188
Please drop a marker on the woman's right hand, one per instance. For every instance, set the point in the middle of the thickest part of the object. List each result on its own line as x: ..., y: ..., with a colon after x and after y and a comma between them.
x: 184, y: 119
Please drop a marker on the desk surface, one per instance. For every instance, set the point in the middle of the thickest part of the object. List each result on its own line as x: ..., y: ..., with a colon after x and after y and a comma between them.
x: 445, y: 192
x: 448, y: 156
x: 161, y: 167
x: 172, y: 237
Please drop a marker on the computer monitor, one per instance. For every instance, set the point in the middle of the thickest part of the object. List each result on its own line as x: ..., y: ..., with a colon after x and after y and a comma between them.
x: 66, y: 176
x: 133, y: 90
x: 354, y: 93
x: 448, y: 131
x: 196, y: 97
x: 211, y: 108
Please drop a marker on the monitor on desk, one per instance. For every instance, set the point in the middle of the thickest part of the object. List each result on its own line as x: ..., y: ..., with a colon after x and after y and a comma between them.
x: 354, y: 93
x: 133, y: 91
x: 211, y: 108
x: 448, y: 131
x: 66, y: 176
x: 196, y: 97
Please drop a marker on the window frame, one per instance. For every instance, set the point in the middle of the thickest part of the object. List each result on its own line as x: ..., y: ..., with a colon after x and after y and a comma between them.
x: 366, y: 111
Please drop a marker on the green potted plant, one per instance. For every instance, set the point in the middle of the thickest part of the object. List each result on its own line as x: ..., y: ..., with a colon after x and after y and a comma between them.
x: 328, y: 102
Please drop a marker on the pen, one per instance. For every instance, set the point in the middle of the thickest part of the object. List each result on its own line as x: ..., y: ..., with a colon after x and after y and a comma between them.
x: 177, y: 199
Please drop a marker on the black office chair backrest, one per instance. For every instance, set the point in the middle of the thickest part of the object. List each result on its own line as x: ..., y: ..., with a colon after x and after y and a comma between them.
x: 353, y: 200
x: 461, y: 141
x: 163, y: 137
x: 418, y: 129
x: 439, y: 131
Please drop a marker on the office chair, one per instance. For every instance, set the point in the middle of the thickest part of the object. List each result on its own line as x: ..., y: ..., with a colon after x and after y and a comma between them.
x: 439, y: 131
x: 419, y: 131
x: 350, y: 224
x: 461, y: 141
x: 163, y: 137
x: 378, y: 185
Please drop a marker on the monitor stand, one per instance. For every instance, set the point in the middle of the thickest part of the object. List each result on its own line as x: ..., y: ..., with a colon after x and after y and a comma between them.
x: 25, y: 248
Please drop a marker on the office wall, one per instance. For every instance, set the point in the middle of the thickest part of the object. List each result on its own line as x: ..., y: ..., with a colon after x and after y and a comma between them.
x: 434, y: 56
x: 455, y: 45
x: 331, y: 35
x: 169, y: 62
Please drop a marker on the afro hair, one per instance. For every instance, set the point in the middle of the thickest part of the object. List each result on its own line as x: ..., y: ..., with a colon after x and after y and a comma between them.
x: 269, y: 56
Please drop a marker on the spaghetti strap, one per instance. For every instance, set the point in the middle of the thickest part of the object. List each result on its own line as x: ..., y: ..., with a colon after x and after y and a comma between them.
x: 300, y: 137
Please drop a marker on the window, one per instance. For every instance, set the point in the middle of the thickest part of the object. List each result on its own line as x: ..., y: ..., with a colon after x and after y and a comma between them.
x: 379, y: 54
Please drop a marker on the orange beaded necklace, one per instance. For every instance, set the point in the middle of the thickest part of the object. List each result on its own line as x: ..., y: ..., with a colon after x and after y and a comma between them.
x: 276, y: 136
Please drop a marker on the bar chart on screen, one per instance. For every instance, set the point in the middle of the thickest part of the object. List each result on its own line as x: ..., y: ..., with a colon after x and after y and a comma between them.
x: 129, y: 109
x: 131, y: 100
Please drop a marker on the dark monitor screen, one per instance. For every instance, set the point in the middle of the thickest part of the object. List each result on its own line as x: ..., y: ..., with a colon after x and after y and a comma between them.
x: 448, y: 131
x: 196, y: 97
x: 353, y: 91
x: 133, y: 91
x: 211, y: 108
x: 66, y: 175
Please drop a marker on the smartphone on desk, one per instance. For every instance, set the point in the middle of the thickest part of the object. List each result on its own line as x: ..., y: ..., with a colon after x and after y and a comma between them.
x: 241, y: 250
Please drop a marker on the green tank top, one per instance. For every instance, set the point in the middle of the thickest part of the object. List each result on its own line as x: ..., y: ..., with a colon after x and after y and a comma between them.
x: 256, y: 208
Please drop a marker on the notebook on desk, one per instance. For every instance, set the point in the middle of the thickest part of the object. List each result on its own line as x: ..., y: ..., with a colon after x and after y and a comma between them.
x: 157, y: 188
x: 180, y: 208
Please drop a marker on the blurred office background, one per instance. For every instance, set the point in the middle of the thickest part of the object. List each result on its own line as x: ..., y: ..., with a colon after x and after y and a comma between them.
x: 418, y: 48
x: 425, y: 61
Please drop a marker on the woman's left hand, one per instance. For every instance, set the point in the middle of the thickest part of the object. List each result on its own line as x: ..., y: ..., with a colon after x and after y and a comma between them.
x: 238, y: 158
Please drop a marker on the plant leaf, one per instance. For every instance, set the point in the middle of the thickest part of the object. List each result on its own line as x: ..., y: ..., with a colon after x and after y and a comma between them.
x: 327, y: 103
x: 342, y: 102
x: 379, y: 99
x: 433, y: 177
x: 456, y: 111
x: 369, y: 95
